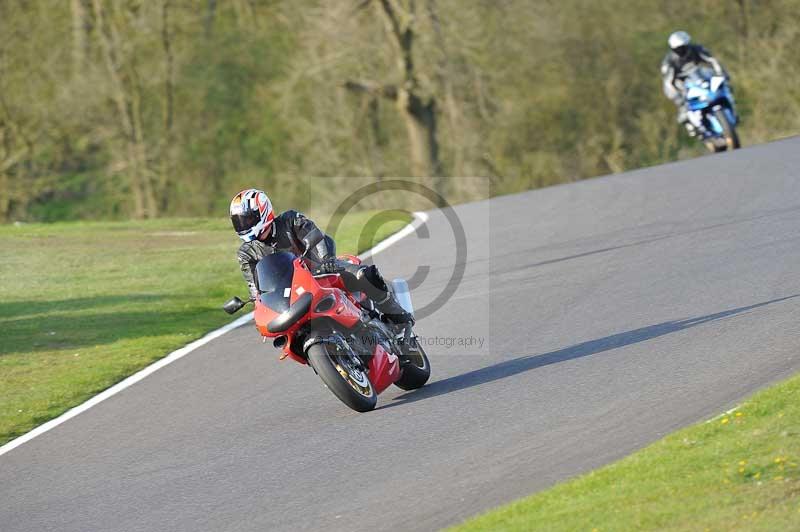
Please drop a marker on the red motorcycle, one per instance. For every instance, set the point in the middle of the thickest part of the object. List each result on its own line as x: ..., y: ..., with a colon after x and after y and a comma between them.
x: 316, y: 321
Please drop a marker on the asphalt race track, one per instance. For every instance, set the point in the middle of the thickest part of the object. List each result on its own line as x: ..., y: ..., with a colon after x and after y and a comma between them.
x: 591, y: 319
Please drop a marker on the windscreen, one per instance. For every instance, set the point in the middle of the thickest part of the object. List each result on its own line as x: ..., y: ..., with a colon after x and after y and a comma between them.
x: 699, y: 75
x: 274, y: 274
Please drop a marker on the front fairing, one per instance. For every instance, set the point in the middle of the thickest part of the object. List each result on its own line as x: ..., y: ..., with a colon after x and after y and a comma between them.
x: 698, y: 94
x: 283, y: 281
x: 703, y: 93
x: 274, y: 274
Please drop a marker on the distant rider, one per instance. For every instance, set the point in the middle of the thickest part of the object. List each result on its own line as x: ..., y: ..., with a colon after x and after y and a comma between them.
x: 264, y: 233
x: 682, y: 59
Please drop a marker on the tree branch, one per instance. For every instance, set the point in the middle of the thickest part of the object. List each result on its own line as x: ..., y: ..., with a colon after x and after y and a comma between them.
x: 403, y: 37
x: 361, y: 5
x: 391, y: 15
x: 372, y: 88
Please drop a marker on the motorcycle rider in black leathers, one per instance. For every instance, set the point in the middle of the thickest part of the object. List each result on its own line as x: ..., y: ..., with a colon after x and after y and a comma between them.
x: 264, y: 233
x: 683, y: 58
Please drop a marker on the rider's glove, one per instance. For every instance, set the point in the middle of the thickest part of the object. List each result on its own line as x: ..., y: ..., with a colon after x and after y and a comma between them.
x: 329, y: 266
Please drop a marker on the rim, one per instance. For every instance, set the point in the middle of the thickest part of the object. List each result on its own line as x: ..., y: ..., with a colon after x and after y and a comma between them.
x: 352, y: 374
x: 417, y: 356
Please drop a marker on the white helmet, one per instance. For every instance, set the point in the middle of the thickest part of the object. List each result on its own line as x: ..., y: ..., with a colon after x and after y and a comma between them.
x: 251, y: 214
x: 679, y: 42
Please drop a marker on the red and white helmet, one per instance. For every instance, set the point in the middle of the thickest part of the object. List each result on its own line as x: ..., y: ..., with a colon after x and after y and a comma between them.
x: 251, y: 214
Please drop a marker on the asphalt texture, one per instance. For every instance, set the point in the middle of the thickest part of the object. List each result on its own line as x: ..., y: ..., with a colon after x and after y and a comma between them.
x: 591, y: 319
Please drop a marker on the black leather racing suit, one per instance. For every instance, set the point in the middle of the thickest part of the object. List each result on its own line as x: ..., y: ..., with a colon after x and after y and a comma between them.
x: 675, y: 68
x: 287, y: 233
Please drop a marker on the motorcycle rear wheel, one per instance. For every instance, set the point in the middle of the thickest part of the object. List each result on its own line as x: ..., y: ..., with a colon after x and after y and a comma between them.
x: 416, y: 370
x: 347, y: 382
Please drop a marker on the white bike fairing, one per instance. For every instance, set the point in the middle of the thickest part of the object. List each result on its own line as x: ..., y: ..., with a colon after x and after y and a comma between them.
x: 696, y: 93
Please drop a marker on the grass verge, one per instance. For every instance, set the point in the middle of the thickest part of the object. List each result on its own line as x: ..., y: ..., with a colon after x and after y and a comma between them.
x: 84, y: 305
x: 737, y: 472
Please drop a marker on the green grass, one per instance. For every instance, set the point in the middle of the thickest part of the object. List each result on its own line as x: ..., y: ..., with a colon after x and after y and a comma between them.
x: 84, y: 305
x: 740, y: 471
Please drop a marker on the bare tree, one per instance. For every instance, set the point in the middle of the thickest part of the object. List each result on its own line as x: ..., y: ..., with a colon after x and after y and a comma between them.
x: 127, y: 97
x: 418, y: 109
x: 167, y: 106
x: 208, y: 19
x: 81, y: 28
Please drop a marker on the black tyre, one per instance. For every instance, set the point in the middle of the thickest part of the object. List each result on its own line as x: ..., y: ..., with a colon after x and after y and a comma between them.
x: 346, y: 379
x: 416, y: 368
x: 731, y: 137
x: 711, y: 145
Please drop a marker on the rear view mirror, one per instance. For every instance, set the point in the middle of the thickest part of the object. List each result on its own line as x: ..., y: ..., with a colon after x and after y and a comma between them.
x: 233, y: 306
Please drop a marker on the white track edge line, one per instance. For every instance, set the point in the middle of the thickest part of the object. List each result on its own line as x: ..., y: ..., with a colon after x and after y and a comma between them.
x: 419, y: 219
x: 725, y: 413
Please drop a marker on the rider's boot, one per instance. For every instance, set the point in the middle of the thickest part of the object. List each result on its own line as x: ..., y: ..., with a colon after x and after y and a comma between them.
x: 375, y: 287
x: 393, y: 311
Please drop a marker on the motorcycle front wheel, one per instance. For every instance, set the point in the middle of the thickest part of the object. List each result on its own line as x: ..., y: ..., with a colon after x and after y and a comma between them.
x: 344, y: 377
x: 728, y: 130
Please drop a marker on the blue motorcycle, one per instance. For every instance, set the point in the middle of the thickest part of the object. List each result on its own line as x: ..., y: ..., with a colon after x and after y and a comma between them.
x: 711, y: 109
